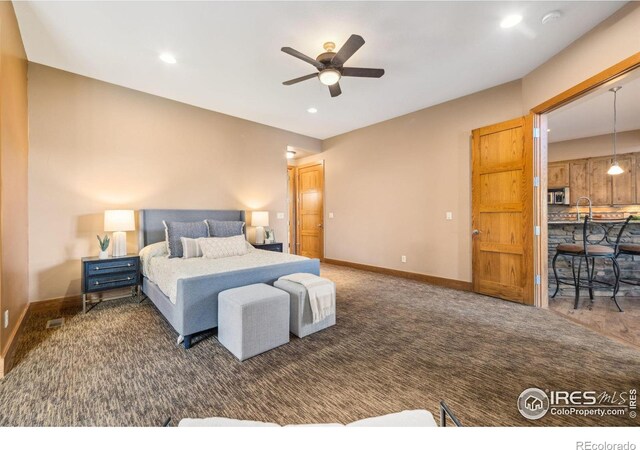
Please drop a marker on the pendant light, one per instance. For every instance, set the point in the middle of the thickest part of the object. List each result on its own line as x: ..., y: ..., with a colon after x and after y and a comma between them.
x: 615, y: 168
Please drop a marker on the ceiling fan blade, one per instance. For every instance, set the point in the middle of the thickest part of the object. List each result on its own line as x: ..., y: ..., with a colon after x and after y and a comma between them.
x: 299, y: 79
x: 348, y: 49
x: 303, y: 57
x: 335, y: 90
x: 361, y: 72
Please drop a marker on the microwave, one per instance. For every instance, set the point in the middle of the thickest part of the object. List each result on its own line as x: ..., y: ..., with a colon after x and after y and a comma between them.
x: 558, y: 196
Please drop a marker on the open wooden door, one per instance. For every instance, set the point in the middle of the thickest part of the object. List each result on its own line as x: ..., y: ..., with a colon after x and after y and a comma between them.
x: 309, y: 210
x: 502, y: 211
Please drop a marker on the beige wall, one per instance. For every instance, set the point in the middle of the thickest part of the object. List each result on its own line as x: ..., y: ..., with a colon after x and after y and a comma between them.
x: 96, y: 146
x: 14, y: 147
x: 610, y: 42
x: 627, y: 142
x: 389, y: 186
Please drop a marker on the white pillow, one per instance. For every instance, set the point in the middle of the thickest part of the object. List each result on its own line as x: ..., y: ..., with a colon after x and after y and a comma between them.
x: 190, y: 248
x: 223, y: 247
x: 151, y: 251
x: 407, y: 418
x: 223, y: 422
x: 157, y: 249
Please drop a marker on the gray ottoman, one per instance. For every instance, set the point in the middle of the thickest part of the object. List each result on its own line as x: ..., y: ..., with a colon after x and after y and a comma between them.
x: 253, y: 319
x: 301, y: 319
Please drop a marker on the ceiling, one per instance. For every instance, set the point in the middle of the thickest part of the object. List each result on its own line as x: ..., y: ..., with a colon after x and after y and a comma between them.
x: 229, y: 57
x: 592, y: 115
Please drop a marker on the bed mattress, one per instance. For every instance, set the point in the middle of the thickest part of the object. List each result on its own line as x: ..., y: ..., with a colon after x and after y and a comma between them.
x: 165, y: 272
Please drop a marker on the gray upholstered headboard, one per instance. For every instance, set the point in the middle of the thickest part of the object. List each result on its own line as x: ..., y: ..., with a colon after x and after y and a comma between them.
x: 152, y: 228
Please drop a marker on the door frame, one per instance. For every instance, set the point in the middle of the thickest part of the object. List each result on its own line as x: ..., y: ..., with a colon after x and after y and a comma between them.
x: 293, y: 217
x: 607, y: 76
x: 297, y: 212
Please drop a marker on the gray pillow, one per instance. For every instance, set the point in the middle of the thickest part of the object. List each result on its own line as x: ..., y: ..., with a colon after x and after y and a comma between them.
x: 176, y: 230
x: 228, y: 228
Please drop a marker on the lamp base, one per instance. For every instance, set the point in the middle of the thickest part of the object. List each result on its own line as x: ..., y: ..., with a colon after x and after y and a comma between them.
x: 119, y: 246
x: 259, y: 235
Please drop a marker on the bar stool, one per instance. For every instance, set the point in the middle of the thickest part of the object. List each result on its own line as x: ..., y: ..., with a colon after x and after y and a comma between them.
x: 623, y: 248
x: 589, y: 251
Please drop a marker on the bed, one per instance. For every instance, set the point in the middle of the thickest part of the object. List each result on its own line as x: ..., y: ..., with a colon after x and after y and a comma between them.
x: 188, y: 299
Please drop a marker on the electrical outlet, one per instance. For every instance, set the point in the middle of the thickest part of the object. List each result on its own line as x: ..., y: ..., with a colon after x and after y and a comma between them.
x: 403, y: 258
x: 6, y: 319
x: 449, y: 215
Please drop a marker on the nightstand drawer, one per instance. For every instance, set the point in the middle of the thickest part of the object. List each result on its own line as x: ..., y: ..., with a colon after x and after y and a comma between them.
x: 273, y: 247
x: 94, y: 268
x: 111, y: 281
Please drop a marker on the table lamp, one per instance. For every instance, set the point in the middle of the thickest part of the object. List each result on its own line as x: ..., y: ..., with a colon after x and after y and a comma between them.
x: 119, y: 221
x: 260, y: 219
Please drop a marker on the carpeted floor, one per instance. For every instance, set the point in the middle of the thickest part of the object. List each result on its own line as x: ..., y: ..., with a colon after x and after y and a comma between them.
x: 398, y: 345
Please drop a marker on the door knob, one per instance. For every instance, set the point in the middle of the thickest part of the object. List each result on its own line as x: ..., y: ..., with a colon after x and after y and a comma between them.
x: 476, y: 232
x: 319, y: 225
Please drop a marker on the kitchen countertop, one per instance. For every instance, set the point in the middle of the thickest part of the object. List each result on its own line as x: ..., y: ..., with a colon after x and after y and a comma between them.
x: 581, y: 222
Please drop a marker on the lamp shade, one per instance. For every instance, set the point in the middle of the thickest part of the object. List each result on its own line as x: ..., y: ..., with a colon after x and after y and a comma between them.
x: 260, y: 219
x: 119, y: 220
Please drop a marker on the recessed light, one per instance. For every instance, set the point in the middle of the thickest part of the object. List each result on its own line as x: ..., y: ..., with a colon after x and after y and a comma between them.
x: 548, y: 130
x: 312, y: 110
x: 168, y: 58
x: 291, y: 154
x: 511, y: 21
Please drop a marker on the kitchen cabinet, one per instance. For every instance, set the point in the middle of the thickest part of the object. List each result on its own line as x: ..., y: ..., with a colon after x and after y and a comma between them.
x: 600, y: 181
x: 578, y: 180
x: 558, y: 175
x: 588, y: 177
x: 623, y: 186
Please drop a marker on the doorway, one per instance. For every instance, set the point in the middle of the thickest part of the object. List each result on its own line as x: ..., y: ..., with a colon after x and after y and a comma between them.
x: 306, y: 209
x: 583, y: 185
x: 489, y: 233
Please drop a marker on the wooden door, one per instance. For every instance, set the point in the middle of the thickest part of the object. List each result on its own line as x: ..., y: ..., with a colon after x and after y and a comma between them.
x: 623, y: 186
x: 291, y: 203
x: 310, y: 210
x: 578, y: 180
x: 558, y: 175
x: 502, y: 210
x: 600, y: 181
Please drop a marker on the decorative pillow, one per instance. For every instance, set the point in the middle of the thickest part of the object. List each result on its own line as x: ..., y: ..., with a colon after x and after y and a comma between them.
x: 220, y: 228
x: 190, y: 248
x: 223, y: 247
x: 176, y: 230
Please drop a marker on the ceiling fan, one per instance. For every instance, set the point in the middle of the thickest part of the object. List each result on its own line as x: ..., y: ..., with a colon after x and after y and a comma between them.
x: 330, y: 65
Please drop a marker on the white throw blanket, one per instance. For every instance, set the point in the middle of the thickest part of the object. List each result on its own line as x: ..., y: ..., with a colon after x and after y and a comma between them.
x: 322, y: 293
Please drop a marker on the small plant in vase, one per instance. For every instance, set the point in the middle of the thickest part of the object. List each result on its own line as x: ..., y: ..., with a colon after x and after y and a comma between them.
x: 104, y: 245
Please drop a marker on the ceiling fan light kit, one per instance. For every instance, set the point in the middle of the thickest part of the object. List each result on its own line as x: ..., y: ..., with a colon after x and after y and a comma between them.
x: 329, y: 76
x: 330, y: 65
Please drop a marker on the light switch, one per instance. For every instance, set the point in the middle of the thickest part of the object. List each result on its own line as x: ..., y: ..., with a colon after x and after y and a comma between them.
x: 280, y: 215
x: 330, y: 215
x: 449, y: 215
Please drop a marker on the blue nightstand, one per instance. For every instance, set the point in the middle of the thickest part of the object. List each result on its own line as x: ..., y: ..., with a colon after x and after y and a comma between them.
x: 273, y: 247
x: 99, y: 275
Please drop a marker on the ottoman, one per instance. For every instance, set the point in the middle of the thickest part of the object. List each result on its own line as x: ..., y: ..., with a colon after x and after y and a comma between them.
x: 253, y: 319
x: 301, y: 319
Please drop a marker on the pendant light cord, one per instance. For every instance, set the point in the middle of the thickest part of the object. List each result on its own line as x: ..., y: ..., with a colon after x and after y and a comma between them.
x: 615, y: 120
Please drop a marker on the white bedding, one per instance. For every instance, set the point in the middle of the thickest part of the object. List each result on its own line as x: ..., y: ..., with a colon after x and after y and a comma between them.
x: 165, y: 271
